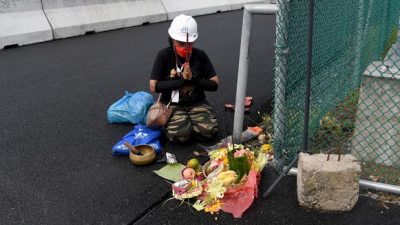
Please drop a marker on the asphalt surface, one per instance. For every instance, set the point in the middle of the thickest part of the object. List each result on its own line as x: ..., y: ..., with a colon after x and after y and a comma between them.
x: 55, y: 143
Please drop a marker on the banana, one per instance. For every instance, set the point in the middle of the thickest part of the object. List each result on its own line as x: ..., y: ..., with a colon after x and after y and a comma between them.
x: 229, y: 180
x: 227, y: 177
x: 226, y: 173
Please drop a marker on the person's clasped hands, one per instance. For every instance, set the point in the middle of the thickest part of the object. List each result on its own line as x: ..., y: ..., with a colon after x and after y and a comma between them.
x: 187, y: 72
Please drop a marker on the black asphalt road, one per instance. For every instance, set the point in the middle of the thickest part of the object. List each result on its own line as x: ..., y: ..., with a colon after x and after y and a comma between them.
x: 55, y: 143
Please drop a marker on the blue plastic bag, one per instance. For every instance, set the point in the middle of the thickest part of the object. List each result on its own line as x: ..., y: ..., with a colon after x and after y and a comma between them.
x: 138, y: 136
x: 132, y: 108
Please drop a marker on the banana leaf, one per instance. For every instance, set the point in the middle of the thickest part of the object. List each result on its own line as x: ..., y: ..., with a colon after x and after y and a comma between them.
x: 240, y: 165
x: 172, y: 172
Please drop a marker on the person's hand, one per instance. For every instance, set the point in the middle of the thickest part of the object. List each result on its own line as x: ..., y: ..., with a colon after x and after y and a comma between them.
x: 187, y: 72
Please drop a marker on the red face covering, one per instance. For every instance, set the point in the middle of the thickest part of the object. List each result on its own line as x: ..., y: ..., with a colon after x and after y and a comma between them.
x: 181, y: 51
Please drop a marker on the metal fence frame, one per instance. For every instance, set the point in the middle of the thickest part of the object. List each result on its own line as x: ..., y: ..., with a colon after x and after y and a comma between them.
x: 280, y: 56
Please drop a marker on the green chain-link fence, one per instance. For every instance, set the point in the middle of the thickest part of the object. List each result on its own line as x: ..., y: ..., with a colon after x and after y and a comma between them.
x: 355, y: 84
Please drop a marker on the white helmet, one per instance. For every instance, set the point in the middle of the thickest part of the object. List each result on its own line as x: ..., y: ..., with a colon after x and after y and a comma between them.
x: 180, y: 26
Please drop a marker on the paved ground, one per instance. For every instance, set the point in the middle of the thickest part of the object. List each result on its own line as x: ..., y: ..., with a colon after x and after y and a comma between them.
x: 55, y: 143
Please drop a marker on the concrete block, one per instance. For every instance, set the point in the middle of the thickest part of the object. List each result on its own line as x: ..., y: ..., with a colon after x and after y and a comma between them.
x: 23, y: 22
x: 203, y: 7
x: 71, y: 18
x: 376, y: 135
x: 328, y: 185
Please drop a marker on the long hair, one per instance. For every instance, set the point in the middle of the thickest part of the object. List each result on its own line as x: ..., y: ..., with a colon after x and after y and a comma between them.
x: 171, y: 44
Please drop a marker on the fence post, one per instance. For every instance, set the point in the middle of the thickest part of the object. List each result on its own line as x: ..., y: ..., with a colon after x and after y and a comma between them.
x: 242, y: 76
x: 359, y: 44
x: 249, y: 9
x: 281, y: 51
x: 307, y: 95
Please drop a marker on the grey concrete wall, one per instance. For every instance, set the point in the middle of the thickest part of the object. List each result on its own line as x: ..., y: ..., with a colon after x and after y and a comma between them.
x: 76, y: 3
x: 377, y: 129
x: 73, y: 18
x: 51, y: 19
x: 8, y: 6
x: 23, y: 22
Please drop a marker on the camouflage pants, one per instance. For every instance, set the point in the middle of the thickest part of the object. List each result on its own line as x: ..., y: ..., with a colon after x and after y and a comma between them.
x: 198, y: 120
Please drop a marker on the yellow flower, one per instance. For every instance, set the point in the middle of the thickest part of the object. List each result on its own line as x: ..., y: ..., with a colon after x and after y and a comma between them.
x: 225, y: 161
x: 259, y: 162
x: 213, y: 208
x: 219, y: 154
x: 266, y: 148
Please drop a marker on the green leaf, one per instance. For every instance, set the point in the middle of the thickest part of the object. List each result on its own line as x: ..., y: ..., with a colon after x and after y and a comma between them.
x: 172, y: 172
x: 240, y: 165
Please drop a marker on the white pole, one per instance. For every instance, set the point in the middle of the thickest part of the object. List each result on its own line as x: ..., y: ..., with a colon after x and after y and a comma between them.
x: 243, y: 69
x: 242, y: 76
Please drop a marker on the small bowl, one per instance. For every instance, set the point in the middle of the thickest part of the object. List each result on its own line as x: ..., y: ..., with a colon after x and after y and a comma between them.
x: 212, y: 173
x: 205, y: 167
x: 147, y: 155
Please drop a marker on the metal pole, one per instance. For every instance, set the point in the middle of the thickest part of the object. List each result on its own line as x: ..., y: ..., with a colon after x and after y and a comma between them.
x: 359, y: 44
x: 242, y: 76
x: 307, y: 96
x: 383, y: 27
x: 249, y: 9
x: 281, y: 51
x: 281, y: 175
x: 367, y: 21
x: 308, y: 73
x: 367, y: 184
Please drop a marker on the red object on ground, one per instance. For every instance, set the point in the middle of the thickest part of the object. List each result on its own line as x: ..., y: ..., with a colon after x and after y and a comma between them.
x: 231, y: 107
x: 238, y: 199
x: 248, y: 101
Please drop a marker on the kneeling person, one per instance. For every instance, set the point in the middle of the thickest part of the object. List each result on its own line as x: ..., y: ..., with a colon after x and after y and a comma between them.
x: 181, y: 73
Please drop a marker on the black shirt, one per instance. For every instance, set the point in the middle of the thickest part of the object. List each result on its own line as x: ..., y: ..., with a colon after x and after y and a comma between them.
x: 201, y: 68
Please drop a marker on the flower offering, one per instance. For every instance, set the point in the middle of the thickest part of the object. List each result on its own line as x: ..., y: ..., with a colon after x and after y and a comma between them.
x: 227, y: 182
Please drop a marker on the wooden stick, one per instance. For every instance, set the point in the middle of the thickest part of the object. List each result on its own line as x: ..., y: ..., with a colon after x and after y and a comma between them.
x: 131, y: 147
x: 187, y: 47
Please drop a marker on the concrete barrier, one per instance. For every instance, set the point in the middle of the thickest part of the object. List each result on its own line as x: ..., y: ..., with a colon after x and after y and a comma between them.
x: 31, y: 21
x: 376, y: 134
x: 77, y: 17
x: 23, y: 22
x: 202, y: 7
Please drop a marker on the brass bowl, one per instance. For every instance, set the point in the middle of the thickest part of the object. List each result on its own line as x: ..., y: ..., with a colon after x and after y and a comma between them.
x: 146, y: 157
